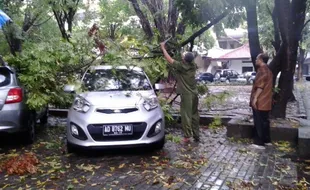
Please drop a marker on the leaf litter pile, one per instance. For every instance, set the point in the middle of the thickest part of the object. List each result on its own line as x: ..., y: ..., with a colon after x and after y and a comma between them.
x: 20, y: 164
x: 45, y: 165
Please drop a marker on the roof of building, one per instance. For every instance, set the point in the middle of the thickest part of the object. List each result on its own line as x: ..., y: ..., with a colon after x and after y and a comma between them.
x: 217, y: 52
x: 238, y: 53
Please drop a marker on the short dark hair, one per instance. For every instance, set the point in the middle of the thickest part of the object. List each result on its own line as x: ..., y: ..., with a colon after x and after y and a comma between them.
x: 189, y: 57
x: 264, y: 57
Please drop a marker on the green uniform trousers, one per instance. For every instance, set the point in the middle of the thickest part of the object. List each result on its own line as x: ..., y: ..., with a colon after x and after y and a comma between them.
x: 189, y: 115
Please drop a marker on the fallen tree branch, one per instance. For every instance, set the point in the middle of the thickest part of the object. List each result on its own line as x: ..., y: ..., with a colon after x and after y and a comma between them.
x: 208, y: 26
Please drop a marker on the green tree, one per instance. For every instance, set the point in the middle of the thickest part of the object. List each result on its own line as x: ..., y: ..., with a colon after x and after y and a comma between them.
x: 288, y: 19
x: 171, y: 18
x: 114, y: 15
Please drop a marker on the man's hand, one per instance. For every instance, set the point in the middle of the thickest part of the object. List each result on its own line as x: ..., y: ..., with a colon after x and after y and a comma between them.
x: 167, y: 56
x: 254, y: 103
x: 162, y: 45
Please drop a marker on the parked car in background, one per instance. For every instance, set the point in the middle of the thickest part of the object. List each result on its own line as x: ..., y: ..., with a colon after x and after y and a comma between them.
x: 205, y: 78
x: 248, y: 74
x: 226, y: 75
x: 15, y: 116
x: 118, y: 107
x: 252, y: 77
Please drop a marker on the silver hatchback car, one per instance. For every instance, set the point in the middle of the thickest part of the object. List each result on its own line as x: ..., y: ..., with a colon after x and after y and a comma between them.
x: 117, y: 107
x: 15, y: 116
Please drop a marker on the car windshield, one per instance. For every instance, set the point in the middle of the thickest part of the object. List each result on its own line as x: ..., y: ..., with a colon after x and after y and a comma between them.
x: 5, y: 78
x: 116, y: 80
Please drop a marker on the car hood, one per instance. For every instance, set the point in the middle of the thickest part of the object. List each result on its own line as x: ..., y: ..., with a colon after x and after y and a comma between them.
x: 117, y: 99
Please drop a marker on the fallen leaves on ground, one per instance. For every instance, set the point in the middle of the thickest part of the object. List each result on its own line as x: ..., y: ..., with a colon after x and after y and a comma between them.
x: 284, y: 146
x: 21, y: 164
x: 244, y: 185
x: 298, y: 185
x: 283, y: 168
x: 87, y: 168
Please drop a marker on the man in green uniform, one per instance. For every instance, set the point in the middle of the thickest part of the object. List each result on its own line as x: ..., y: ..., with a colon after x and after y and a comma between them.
x: 185, y: 71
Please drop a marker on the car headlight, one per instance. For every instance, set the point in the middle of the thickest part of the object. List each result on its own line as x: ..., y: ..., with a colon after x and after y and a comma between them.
x: 81, y: 105
x: 150, y: 103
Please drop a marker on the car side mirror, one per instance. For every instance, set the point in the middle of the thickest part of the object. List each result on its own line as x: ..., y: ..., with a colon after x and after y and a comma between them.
x: 69, y: 88
x: 160, y: 87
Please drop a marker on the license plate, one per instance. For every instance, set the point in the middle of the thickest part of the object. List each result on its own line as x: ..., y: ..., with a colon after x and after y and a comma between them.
x: 116, y: 130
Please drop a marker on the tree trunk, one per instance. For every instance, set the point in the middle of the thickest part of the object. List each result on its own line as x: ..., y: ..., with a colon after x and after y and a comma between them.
x: 146, y: 26
x: 172, y: 18
x: 13, y: 37
x: 291, y: 17
x: 181, y: 28
x: 301, y: 60
x: 253, y: 30
x: 156, y: 9
x: 113, y: 31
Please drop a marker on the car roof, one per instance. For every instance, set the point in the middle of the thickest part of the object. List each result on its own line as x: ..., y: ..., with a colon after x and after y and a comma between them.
x: 108, y: 67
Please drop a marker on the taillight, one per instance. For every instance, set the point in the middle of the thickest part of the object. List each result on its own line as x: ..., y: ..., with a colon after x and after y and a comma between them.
x: 15, y: 95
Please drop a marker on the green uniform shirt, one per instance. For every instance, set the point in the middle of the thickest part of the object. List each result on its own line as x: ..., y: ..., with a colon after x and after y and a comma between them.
x: 185, y: 75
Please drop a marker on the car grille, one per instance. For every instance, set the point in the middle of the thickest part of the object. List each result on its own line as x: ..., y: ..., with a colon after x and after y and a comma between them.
x: 113, y: 111
x: 96, y: 131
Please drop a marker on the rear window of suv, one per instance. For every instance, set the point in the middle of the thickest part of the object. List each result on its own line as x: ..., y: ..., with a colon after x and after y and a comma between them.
x: 5, y: 77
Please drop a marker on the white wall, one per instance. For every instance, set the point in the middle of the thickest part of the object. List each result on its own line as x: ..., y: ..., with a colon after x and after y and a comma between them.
x: 237, y: 65
x: 213, y: 67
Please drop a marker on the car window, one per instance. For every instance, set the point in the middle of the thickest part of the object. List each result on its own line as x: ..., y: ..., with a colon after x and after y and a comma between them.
x: 116, y: 80
x: 5, y: 77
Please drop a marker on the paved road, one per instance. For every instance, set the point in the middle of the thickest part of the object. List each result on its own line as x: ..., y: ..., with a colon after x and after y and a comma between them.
x: 215, y: 163
x: 305, y: 92
x: 235, y: 103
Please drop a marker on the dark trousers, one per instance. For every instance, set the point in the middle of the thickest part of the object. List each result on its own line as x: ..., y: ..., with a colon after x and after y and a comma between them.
x: 261, y: 127
x: 190, y: 115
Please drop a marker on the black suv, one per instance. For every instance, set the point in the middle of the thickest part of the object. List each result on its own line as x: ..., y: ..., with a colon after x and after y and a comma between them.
x: 226, y: 75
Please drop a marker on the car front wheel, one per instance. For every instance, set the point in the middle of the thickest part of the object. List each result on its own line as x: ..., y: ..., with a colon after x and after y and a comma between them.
x: 70, y: 148
x: 160, y: 144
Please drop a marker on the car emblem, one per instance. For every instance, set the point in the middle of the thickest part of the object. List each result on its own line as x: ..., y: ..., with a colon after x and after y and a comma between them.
x: 117, y: 111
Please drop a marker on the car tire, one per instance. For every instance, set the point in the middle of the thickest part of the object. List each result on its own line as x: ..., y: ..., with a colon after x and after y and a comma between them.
x: 70, y: 148
x: 29, y: 136
x: 160, y: 144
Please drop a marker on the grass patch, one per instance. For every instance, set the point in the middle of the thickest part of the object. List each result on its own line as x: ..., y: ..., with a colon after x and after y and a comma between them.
x: 173, y: 138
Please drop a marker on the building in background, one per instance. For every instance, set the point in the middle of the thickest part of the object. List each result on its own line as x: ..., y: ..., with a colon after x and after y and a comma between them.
x: 230, y: 53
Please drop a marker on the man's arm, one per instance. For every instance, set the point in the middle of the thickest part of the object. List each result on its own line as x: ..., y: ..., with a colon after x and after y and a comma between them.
x: 256, y: 95
x: 167, y: 56
x: 258, y: 92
